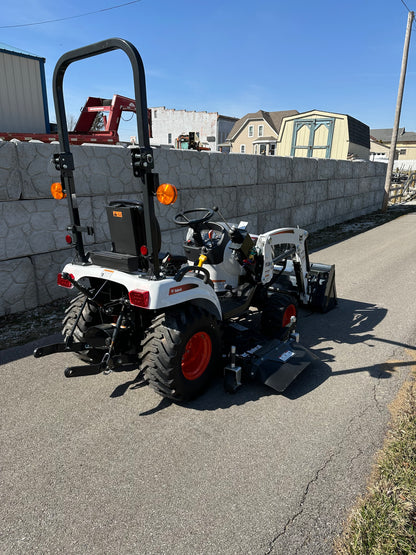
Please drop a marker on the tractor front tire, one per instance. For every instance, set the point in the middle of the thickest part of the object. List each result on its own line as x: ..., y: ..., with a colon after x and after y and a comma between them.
x: 277, y: 313
x: 180, y: 352
x: 89, y: 317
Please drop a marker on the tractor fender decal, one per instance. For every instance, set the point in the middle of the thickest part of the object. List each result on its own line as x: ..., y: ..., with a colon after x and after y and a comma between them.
x: 181, y: 288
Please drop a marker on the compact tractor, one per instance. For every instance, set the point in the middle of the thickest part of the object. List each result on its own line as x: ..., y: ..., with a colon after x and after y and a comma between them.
x: 227, y: 303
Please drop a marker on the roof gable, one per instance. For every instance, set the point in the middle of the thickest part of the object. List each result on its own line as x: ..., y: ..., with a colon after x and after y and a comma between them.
x: 274, y: 119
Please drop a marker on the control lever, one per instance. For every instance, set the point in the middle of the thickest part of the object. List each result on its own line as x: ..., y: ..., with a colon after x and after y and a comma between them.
x: 216, y: 209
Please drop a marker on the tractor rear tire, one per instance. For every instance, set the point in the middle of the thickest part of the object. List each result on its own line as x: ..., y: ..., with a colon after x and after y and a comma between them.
x: 89, y: 317
x: 277, y: 313
x: 180, y: 352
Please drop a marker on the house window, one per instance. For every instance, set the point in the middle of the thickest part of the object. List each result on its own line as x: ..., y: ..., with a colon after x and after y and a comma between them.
x: 272, y: 150
x: 242, y: 149
x: 169, y: 138
x: 261, y: 128
x: 251, y: 130
x: 402, y: 151
x: 155, y: 114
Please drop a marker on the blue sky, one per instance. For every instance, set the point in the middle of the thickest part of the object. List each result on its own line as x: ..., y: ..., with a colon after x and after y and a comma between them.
x: 231, y: 56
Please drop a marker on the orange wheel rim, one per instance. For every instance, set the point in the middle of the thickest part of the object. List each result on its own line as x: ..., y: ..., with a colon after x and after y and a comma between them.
x: 196, y: 356
x: 287, y: 315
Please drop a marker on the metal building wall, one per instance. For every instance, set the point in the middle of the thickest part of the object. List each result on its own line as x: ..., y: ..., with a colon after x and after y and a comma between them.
x: 23, y: 106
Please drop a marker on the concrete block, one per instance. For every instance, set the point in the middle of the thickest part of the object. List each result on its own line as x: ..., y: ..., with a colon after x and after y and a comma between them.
x: 285, y: 196
x: 326, y: 168
x: 365, y: 184
x: 380, y: 169
x: 46, y: 267
x: 343, y: 207
x: 336, y: 188
x: 232, y: 169
x: 255, y: 198
x: 298, y: 191
x: 351, y: 187
x: 326, y: 211
x: 186, y: 169
x: 18, y: 292
x: 305, y: 169
x: 378, y: 183
x: 37, y: 169
x: 172, y: 240
x: 274, y: 169
x: 275, y: 219
x: 10, y: 178
x: 316, y: 191
x: 358, y: 202
x: 304, y: 216
x: 344, y: 169
x: 28, y: 227
x: 362, y: 168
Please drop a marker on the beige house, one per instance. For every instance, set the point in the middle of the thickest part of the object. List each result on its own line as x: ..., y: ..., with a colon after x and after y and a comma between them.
x: 313, y: 134
x: 405, y: 146
x: 257, y: 133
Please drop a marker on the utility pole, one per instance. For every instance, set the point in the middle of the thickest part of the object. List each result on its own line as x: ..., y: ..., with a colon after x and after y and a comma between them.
x: 392, y: 153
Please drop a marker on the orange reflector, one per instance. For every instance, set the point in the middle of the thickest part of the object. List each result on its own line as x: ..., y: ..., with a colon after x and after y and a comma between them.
x: 57, y: 191
x: 140, y: 298
x: 64, y: 282
x: 167, y: 193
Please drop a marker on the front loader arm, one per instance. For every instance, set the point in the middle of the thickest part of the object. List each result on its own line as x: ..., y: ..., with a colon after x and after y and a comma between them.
x: 297, y: 251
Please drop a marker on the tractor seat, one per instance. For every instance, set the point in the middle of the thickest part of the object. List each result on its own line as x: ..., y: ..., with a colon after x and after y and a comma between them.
x: 128, y: 235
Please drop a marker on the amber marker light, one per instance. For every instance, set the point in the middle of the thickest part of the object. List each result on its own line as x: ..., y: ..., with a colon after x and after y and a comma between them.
x: 57, y: 191
x: 167, y: 193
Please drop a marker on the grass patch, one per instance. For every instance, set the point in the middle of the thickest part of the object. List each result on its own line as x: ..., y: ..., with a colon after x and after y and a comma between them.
x: 384, y: 521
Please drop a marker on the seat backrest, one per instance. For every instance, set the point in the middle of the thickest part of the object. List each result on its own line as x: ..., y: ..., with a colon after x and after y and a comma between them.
x: 127, y: 227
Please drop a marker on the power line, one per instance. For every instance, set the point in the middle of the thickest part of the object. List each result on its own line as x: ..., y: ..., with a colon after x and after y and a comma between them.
x: 405, y: 5
x: 70, y: 17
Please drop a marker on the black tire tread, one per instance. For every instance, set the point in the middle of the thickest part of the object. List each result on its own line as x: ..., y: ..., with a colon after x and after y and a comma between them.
x: 89, y: 317
x: 273, y: 312
x: 162, y: 347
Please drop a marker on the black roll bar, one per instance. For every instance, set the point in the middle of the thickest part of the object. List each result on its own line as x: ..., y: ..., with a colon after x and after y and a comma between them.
x: 142, y: 157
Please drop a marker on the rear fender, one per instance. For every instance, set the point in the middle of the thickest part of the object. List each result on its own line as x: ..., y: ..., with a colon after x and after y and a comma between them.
x: 162, y: 293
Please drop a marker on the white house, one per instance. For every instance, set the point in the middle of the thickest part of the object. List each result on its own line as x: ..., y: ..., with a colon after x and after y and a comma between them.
x: 168, y: 124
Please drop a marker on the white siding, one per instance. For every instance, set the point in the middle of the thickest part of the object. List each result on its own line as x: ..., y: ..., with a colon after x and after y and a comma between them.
x: 209, y: 125
x: 21, y: 98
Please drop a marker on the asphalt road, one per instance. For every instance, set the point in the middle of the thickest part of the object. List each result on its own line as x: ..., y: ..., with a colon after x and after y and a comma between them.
x: 103, y: 465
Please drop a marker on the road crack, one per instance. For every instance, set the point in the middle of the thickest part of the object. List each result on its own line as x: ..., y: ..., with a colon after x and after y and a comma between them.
x: 292, y: 519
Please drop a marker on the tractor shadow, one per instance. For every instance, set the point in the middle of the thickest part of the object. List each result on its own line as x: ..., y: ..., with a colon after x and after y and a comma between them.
x: 350, y: 322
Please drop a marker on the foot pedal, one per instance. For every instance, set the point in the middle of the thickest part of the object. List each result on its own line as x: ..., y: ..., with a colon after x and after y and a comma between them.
x: 76, y: 371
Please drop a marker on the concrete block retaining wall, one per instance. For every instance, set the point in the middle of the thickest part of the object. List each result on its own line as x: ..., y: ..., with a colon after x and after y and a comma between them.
x: 267, y: 192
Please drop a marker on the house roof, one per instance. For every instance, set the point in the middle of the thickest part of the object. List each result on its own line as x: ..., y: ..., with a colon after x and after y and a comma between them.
x: 384, y: 135
x: 274, y: 119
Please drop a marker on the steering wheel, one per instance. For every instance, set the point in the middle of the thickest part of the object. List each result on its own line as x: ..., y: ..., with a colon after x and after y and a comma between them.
x: 183, y: 219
